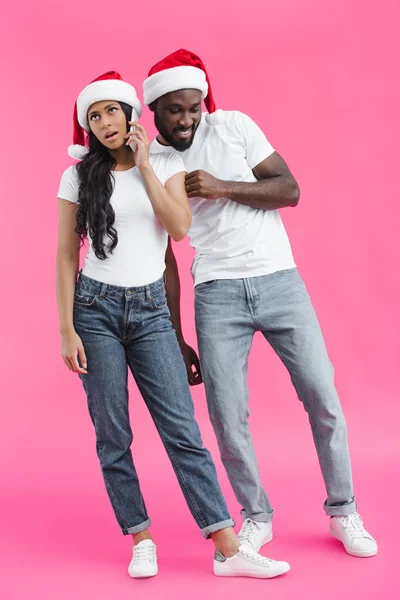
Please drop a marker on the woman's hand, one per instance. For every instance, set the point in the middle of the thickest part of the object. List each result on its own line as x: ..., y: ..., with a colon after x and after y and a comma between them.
x: 71, y: 348
x: 139, y: 137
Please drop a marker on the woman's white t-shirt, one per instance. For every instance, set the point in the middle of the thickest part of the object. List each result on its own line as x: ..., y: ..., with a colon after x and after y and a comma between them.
x: 139, y: 257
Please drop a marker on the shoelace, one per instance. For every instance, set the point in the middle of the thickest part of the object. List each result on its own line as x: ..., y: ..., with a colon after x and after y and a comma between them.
x: 354, y: 525
x: 254, y: 557
x: 248, y: 530
x: 144, y: 553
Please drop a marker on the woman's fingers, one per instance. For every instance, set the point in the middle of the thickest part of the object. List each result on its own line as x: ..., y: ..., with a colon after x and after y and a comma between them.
x: 82, y: 358
x: 134, y: 137
x: 71, y: 362
x: 67, y: 363
x: 139, y: 128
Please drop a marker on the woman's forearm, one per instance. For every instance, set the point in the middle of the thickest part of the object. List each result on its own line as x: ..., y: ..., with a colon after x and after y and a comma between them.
x: 174, y: 217
x: 66, y: 270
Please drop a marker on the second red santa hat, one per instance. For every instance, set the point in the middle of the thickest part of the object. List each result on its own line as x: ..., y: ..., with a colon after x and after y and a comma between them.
x: 178, y: 71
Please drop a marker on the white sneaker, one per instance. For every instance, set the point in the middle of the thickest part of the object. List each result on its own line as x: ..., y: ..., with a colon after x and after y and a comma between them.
x: 247, y: 563
x: 144, y: 560
x: 255, y: 534
x: 350, y: 531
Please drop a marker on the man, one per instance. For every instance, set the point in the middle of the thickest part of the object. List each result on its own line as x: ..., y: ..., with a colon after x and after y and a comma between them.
x: 246, y: 281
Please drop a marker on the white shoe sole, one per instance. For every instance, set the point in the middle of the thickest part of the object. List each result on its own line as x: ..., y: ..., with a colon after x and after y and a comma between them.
x: 143, y: 575
x: 359, y: 554
x: 221, y: 572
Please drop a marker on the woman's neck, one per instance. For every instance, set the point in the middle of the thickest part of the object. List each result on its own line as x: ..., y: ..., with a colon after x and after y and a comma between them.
x: 124, y: 158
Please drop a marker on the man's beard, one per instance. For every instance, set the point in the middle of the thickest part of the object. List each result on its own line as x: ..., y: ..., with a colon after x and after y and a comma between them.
x: 179, y: 145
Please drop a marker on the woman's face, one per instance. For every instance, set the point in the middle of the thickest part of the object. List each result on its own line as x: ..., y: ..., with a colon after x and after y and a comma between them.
x: 107, y: 121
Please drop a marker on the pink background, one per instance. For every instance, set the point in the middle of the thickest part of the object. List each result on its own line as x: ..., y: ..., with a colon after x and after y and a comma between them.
x: 321, y: 80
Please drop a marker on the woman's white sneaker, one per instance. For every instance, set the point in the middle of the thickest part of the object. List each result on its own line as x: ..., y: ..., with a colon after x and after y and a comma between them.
x: 247, y: 563
x: 144, y: 560
x: 255, y: 534
x: 350, y: 531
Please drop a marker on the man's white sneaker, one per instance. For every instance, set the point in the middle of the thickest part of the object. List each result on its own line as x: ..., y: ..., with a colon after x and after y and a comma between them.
x: 255, y: 534
x: 350, y: 531
x: 247, y: 563
x: 144, y: 560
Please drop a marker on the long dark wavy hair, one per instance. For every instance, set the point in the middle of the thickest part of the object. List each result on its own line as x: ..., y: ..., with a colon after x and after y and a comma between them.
x: 95, y: 214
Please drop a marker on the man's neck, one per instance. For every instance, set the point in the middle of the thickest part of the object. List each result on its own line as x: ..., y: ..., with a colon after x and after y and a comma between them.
x: 161, y: 140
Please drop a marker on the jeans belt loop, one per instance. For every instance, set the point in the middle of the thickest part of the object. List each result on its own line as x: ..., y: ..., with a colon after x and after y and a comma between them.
x: 148, y: 294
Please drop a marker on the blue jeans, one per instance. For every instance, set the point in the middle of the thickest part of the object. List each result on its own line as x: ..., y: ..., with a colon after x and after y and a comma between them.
x: 228, y: 313
x: 131, y: 327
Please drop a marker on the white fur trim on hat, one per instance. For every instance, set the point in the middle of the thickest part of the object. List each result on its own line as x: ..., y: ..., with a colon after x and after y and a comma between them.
x: 215, y: 118
x: 171, y: 80
x: 77, y: 151
x: 107, y: 89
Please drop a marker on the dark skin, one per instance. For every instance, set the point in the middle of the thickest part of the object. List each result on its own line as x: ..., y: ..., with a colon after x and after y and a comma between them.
x: 174, y: 113
x: 275, y: 188
x: 173, y: 288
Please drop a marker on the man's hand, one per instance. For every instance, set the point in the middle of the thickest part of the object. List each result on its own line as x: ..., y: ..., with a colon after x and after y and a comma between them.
x: 192, y: 364
x: 200, y: 183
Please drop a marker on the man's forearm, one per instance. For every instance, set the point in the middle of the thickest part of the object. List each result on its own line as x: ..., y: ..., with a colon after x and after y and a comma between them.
x: 173, y: 289
x: 267, y: 194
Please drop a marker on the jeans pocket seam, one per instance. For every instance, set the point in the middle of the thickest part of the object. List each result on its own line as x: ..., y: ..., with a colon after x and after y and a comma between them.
x: 205, y: 285
x: 88, y: 301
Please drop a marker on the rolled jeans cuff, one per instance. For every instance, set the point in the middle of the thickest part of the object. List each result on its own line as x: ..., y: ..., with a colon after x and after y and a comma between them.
x: 347, y: 508
x: 137, y: 528
x: 260, y: 517
x: 207, y: 531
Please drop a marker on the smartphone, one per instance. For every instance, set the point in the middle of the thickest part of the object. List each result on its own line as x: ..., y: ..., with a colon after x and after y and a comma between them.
x: 134, y: 117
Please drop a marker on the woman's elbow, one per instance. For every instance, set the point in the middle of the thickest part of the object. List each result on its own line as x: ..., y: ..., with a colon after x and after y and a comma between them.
x: 181, y: 231
x: 179, y: 234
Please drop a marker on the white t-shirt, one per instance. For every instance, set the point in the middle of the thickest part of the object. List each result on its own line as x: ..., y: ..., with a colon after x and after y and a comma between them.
x: 139, y: 257
x: 232, y: 240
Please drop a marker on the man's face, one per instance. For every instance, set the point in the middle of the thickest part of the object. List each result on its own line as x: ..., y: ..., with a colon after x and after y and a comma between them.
x: 177, y: 116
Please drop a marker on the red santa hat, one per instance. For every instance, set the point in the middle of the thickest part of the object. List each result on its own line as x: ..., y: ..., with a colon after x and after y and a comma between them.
x: 108, y: 86
x: 178, y: 71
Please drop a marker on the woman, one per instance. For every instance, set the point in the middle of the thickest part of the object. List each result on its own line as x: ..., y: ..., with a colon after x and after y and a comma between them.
x: 115, y: 316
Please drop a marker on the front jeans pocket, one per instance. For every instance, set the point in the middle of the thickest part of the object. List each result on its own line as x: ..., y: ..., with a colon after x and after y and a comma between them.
x: 159, y: 299
x: 84, y: 297
x: 205, y: 285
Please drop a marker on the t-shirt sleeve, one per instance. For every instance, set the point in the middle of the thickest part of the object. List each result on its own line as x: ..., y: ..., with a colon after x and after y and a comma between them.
x: 69, y: 185
x: 257, y: 147
x: 174, y: 165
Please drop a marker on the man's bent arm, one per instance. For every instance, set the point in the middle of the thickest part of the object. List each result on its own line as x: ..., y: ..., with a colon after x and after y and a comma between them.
x: 276, y: 187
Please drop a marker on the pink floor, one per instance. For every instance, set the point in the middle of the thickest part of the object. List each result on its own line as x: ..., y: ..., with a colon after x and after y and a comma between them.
x: 59, y: 540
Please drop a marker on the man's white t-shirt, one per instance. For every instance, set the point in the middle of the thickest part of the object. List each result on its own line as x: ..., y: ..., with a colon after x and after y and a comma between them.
x: 232, y: 240
x: 139, y: 257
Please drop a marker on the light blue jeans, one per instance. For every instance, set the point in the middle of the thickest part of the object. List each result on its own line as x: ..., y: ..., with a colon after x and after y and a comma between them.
x: 228, y: 313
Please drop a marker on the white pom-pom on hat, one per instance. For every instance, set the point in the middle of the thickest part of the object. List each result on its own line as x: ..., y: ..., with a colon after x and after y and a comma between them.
x: 216, y: 118
x: 78, y: 152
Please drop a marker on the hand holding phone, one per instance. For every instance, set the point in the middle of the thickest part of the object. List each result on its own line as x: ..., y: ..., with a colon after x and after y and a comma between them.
x: 141, y: 147
x: 134, y: 117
